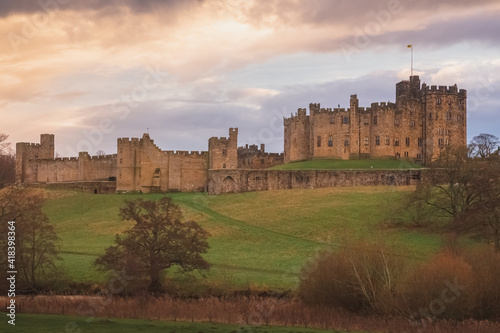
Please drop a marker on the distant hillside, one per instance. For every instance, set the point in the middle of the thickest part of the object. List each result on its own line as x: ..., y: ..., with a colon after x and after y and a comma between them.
x: 327, y: 164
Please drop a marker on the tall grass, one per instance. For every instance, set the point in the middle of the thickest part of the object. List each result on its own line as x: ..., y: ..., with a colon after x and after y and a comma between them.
x: 242, y: 311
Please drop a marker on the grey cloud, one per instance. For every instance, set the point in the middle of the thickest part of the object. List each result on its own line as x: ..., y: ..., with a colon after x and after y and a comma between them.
x: 9, y: 7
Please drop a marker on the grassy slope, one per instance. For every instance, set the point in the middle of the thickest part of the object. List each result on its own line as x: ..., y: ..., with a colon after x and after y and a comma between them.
x: 328, y: 164
x: 34, y: 323
x: 261, y: 238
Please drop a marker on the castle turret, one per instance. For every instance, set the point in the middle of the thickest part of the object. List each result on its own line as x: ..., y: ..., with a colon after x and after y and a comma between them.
x: 223, y: 152
x: 27, y: 153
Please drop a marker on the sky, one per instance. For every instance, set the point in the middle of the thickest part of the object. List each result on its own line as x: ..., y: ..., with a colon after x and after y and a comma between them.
x: 92, y: 71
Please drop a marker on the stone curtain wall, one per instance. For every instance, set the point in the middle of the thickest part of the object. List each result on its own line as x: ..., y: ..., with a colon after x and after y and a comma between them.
x: 239, y: 180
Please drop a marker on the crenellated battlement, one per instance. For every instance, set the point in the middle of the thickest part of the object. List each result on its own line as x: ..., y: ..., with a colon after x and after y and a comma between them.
x: 185, y: 153
x: 434, y: 89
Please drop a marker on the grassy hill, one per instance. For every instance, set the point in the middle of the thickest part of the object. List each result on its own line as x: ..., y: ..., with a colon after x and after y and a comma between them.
x: 257, y: 238
x: 330, y: 164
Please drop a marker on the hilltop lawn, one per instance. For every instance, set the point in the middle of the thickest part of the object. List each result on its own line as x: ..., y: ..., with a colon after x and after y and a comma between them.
x: 331, y: 164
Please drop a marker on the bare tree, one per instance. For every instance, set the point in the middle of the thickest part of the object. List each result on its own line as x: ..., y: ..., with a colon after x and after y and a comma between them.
x: 35, y: 241
x: 484, y: 145
x: 4, y: 145
x: 446, y: 186
x: 157, y: 241
x: 483, y: 218
x: 7, y: 162
x: 100, y: 152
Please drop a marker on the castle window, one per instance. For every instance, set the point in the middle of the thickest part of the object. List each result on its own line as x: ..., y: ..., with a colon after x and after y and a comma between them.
x: 346, y: 141
x: 440, y: 142
x: 440, y: 131
x: 412, y: 123
x: 430, y: 115
x: 396, y: 121
x: 406, y: 154
x: 438, y: 101
x: 420, y: 142
x: 332, y: 120
x: 346, y: 120
x: 387, y: 140
x: 447, y: 142
x: 419, y: 157
x: 365, y: 120
x: 367, y: 141
x: 121, y: 150
x: 121, y: 160
x: 377, y: 140
x: 448, y: 116
x: 330, y: 141
x: 319, y: 141
x: 446, y: 132
x: 396, y: 142
x: 375, y: 120
x: 224, y: 166
x: 407, y: 141
x: 224, y: 152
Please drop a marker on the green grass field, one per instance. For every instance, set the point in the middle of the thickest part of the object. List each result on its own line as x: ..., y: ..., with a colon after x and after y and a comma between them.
x: 330, y: 164
x: 31, y: 323
x: 258, y: 238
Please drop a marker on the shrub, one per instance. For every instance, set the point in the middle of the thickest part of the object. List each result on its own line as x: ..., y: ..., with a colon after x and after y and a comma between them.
x: 439, y: 288
x: 361, y: 277
x: 485, y: 287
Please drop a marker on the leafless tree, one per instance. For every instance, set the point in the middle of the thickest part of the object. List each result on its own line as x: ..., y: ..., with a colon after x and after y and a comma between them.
x: 158, y: 240
x: 35, y: 238
x: 484, y: 145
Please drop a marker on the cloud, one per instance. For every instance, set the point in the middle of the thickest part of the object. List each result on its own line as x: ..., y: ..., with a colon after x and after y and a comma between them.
x: 33, y: 6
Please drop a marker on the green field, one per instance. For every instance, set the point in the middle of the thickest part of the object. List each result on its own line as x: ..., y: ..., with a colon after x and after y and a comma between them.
x: 30, y: 323
x: 329, y: 164
x: 259, y: 238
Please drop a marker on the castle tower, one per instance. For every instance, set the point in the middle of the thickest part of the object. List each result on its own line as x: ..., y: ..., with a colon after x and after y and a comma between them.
x: 444, y: 111
x: 354, y: 128
x: 27, y: 153
x: 223, y: 152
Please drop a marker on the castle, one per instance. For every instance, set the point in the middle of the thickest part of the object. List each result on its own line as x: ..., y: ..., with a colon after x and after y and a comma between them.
x: 421, y: 122
x: 139, y: 165
x: 418, y: 126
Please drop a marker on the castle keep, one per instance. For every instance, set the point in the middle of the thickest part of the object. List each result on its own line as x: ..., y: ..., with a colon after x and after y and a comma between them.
x: 419, y: 125
x: 421, y: 122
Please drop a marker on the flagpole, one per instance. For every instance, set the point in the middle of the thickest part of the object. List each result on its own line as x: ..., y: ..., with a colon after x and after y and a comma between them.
x: 411, y: 68
x: 412, y: 60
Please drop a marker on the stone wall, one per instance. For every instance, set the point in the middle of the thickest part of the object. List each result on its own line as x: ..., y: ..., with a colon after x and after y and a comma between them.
x: 239, y: 180
x: 35, y: 163
x: 142, y: 166
x: 96, y: 187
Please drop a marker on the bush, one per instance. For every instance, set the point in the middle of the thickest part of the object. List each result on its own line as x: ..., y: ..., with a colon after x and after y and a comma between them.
x: 485, y: 287
x: 358, y: 278
x: 439, y: 288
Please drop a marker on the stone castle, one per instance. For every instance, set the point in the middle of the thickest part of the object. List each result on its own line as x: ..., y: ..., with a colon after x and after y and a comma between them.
x: 421, y: 122
x: 139, y: 165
